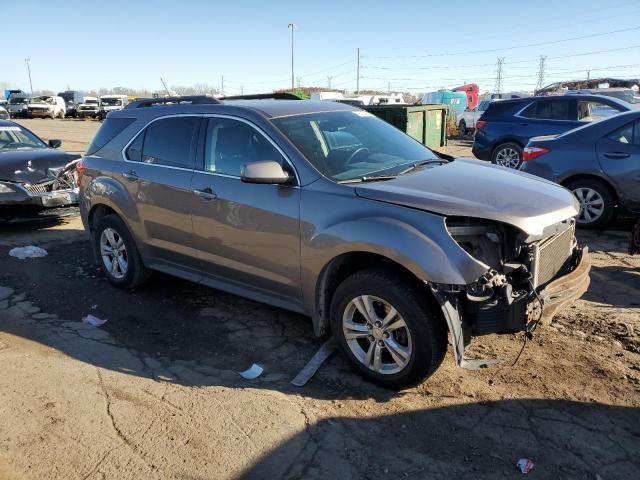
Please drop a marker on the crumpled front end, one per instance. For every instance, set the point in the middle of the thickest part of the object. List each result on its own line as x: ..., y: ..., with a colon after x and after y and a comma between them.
x: 528, y: 278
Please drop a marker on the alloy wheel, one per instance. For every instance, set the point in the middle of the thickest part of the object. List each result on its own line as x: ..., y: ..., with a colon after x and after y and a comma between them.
x: 377, y: 335
x: 114, y: 253
x: 591, y: 204
x: 508, y: 157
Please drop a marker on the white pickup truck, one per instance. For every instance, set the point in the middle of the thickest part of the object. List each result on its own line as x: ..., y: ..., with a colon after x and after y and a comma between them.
x: 467, y: 120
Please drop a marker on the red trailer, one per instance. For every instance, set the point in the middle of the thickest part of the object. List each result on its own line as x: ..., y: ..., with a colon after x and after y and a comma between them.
x: 471, y: 89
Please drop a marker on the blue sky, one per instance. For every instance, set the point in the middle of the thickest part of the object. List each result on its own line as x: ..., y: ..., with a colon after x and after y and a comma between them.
x: 416, y: 46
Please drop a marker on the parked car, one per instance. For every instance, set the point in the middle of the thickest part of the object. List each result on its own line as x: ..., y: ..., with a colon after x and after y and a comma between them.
x: 506, y: 126
x: 33, y: 174
x: 326, y: 210
x: 18, y: 106
x: 47, y: 106
x: 599, y: 163
x: 4, y: 114
x: 111, y: 103
x: 72, y: 99
x: 468, y: 119
x: 89, y: 108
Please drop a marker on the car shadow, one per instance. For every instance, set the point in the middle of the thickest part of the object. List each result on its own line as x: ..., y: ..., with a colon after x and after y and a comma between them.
x: 564, y: 439
x: 617, y: 286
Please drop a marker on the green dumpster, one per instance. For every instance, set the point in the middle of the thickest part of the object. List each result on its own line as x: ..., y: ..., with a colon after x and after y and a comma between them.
x: 426, y: 123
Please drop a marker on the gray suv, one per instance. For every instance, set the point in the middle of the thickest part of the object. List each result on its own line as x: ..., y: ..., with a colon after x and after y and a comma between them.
x: 323, y: 209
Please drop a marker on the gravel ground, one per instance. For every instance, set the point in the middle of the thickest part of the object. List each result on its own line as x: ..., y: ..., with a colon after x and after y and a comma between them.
x: 155, y: 392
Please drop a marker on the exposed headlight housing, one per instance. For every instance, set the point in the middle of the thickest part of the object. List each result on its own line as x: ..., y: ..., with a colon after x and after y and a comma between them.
x: 6, y: 189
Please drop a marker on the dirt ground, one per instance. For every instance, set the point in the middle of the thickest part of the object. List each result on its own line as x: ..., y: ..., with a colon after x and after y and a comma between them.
x: 155, y: 392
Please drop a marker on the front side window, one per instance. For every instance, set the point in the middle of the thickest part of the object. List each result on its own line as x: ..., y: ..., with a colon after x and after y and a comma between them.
x: 548, y: 110
x: 348, y: 145
x: 230, y: 144
x: 167, y: 141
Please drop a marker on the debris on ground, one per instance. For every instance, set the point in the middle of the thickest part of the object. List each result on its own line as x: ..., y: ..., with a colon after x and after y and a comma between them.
x: 93, y: 321
x: 525, y: 465
x: 253, y: 372
x: 30, y: 251
x: 310, y: 369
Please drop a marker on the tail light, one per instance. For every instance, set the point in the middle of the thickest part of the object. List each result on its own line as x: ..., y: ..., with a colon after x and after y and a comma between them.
x: 80, y: 168
x: 529, y: 153
x: 480, y: 124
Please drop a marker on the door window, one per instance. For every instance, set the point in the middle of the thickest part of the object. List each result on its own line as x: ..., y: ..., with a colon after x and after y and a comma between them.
x: 589, y: 111
x: 168, y: 141
x: 548, y: 110
x: 230, y: 144
x: 629, y: 134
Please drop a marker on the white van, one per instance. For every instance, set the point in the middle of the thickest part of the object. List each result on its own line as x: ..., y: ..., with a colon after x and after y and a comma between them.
x: 47, y: 106
x: 89, y: 108
x: 111, y: 103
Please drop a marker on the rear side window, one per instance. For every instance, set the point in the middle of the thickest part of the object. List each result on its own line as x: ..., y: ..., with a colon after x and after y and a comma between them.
x: 107, y: 132
x: 168, y: 141
x: 548, y: 110
x: 629, y: 134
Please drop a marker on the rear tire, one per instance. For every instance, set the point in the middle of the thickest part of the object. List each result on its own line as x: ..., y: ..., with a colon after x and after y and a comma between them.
x: 597, y: 202
x: 409, y: 346
x: 508, y: 155
x: 123, y: 266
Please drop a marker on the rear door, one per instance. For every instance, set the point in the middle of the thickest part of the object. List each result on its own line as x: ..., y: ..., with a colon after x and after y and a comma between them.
x: 619, y: 156
x: 247, y: 235
x: 546, y: 117
x: 158, y: 173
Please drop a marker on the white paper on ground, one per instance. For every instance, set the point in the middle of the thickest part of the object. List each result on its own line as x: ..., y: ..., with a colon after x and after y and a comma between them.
x: 95, y: 321
x: 30, y: 251
x: 252, y: 372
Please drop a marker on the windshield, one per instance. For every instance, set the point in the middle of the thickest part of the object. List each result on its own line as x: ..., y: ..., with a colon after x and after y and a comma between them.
x: 111, y: 102
x: 17, y: 138
x: 18, y: 101
x: 348, y: 145
x: 91, y: 102
x: 41, y: 100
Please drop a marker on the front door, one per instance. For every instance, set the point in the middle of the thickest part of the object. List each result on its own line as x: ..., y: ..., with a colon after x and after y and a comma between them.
x: 619, y: 156
x: 246, y: 234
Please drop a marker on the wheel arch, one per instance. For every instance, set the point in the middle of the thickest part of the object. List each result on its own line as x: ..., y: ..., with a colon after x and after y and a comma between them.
x: 589, y: 176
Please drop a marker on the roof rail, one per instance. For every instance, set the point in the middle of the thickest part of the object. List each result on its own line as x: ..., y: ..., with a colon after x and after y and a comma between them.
x: 190, y: 99
x: 264, y: 96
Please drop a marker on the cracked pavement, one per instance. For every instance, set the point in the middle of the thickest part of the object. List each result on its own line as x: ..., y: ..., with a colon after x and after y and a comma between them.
x: 155, y: 392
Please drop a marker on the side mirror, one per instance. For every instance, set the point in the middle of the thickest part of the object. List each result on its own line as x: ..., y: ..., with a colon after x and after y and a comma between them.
x: 55, y: 143
x: 268, y: 171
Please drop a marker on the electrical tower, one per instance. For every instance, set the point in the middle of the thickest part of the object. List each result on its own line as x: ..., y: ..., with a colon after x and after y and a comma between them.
x: 329, y: 82
x: 541, y: 66
x: 498, y: 86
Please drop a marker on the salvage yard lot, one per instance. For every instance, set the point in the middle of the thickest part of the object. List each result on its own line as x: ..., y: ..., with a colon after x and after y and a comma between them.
x: 155, y: 392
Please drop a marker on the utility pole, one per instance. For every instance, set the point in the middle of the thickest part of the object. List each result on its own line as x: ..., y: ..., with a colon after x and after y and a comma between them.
x: 588, y: 74
x: 329, y: 82
x: 241, y: 89
x: 299, y: 82
x: 27, y: 60
x: 164, y: 84
x: 498, y: 85
x: 358, y: 76
x: 389, y: 88
x: 541, y: 65
x: 292, y: 26
x: 222, y: 84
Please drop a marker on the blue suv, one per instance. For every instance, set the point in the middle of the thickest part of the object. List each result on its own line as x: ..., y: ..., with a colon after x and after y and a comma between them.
x: 506, y: 126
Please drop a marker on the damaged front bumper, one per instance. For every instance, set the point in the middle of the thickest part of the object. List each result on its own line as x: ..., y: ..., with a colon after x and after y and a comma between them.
x: 21, y: 195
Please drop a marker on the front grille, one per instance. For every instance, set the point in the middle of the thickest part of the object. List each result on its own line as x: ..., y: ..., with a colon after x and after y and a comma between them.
x: 551, y: 255
x: 65, y: 181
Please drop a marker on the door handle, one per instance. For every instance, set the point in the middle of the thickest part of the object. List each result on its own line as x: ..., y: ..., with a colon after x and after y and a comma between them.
x: 130, y: 175
x: 205, y: 194
x: 616, y: 155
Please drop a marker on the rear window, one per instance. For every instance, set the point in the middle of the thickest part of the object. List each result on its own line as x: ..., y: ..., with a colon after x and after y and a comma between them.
x: 495, y: 109
x: 107, y: 132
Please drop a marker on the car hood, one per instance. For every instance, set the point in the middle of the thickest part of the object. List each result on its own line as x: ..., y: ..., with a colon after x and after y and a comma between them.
x: 31, y: 165
x: 470, y: 188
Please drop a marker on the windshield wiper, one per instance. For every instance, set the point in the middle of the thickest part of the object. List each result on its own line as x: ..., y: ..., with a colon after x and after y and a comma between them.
x: 421, y: 163
x: 365, y: 179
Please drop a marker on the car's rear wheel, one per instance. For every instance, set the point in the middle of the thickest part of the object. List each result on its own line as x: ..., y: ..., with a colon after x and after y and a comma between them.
x: 507, y: 155
x: 597, y: 204
x: 117, y: 253
x: 390, y: 333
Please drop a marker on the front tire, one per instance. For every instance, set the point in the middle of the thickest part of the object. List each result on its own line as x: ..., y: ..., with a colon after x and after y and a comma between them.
x: 597, y: 203
x: 117, y: 253
x: 507, y: 155
x: 462, y: 128
x: 389, y: 331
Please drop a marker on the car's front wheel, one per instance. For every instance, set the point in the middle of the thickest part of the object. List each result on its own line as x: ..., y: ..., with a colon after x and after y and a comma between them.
x: 597, y: 204
x: 507, y: 155
x: 462, y: 128
x: 117, y: 254
x: 390, y: 332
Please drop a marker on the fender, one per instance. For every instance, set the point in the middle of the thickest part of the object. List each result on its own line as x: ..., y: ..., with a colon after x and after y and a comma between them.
x: 426, y: 251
